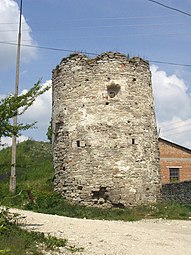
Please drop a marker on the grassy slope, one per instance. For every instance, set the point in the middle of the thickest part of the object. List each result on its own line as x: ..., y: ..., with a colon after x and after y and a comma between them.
x: 35, y: 172
x: 34, y: 165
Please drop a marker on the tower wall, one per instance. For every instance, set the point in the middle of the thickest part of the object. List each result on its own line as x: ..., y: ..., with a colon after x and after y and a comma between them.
x: 105, y: 146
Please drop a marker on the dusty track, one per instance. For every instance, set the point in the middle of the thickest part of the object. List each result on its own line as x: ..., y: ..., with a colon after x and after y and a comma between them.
x: 100, y: 237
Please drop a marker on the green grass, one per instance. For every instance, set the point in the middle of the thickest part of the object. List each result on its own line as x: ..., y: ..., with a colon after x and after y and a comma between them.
x: 35, y: 173
x: 34, y: 168
x: 17, y: 241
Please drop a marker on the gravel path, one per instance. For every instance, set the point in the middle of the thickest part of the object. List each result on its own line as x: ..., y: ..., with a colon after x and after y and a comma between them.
x: 100, y: 237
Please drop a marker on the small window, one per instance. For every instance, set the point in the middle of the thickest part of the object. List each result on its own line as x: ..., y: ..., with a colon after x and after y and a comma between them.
x: 133, y: 140
x: 174, y: 174
x: 78, y: 143
x: 113, y: 89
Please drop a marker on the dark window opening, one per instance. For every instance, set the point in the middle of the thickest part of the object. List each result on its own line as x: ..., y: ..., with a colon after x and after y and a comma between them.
x: 78, y: 143
x: 107, y: 103
x: 133, y: 140
x: 113, y: 89
x: 87, y: 79
x: 134, y: 79
x: 174, y: 174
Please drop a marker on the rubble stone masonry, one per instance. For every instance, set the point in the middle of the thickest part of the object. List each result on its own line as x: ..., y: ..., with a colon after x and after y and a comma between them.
x: 105, y: 146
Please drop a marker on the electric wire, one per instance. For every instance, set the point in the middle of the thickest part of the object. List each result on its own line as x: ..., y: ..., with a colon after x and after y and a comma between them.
x: 181, y: 132
x: 171, y: 8
x: 126, y: 36
x: 175, y: 122
x: 174, y: 128
x: 88, y: 53
x: 101, y: 18
x: 105, y: 26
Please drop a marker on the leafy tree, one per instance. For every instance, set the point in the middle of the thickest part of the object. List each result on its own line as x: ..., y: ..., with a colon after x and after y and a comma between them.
x: 49, y: 132
x: 12, y: 106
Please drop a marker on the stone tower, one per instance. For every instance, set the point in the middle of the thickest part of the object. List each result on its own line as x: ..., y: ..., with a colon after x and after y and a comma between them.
x: 105, y: 145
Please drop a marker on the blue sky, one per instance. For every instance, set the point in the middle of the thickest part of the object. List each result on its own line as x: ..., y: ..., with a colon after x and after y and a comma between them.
x: 135, y: 27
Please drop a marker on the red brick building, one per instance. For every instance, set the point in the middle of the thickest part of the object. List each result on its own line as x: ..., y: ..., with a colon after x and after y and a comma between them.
x: 175, y: 162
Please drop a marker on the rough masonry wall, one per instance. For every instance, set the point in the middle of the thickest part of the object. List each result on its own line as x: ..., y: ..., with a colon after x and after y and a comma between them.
x: 105, y: 146
x: 177, y: 192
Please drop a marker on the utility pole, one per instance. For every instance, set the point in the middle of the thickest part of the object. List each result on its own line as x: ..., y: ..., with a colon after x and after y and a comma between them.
x: 12, y: 186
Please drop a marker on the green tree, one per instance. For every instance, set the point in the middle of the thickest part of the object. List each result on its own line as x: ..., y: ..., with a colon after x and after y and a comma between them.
x: 12, y: 105
x: 49, y: 132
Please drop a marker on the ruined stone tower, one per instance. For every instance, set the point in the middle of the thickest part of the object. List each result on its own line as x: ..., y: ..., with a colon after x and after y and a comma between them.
x: 105, y: 145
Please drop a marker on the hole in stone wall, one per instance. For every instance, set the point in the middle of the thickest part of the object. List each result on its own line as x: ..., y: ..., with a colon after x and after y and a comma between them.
x: 133, y: 140
x: 112, y: 94
x: 119, y: 205
x: 87, y: 80
x: 113, y: 89
x: 100, y: 193
x: 107, y: 103
x: 66, y: 133
x: 134, y: 79
x: 78, y: 143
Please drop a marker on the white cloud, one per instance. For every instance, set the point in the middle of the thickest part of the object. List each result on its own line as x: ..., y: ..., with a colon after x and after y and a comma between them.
x: 173, y: 106
x: 7, y: 141
x: 40, y: 111
x: 172, y: 103
x: 9, y: 17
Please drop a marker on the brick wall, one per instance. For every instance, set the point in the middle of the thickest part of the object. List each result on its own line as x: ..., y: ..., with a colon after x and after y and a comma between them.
x: 174, y: 156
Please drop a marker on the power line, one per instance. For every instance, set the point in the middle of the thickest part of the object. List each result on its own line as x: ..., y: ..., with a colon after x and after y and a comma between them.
x: 173, y: 128
x: 169, y: 63
x: 101, y: 18
x: 169, y: 7
x: 124, y: 18
x: 174, y: 122
x: 12, y: 30
x: 49, y: 48
x: 105, y: 26
x: 181, y: 132
x: 127, y: 36
x: 88, y: 53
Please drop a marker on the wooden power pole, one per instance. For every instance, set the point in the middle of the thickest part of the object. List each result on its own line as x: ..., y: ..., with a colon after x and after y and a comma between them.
x: 12, y: 186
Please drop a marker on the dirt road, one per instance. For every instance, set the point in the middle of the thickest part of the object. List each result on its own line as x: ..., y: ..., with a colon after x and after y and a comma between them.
x: 100, y: 237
